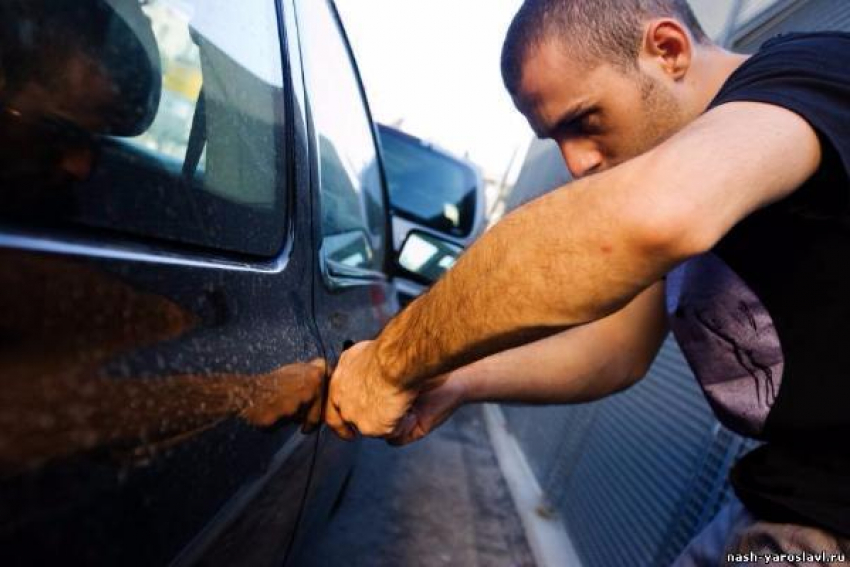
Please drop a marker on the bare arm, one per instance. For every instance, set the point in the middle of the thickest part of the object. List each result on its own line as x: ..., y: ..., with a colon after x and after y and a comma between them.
x: 581, y: 364
x: 578, y: 365
x: 577, y: 255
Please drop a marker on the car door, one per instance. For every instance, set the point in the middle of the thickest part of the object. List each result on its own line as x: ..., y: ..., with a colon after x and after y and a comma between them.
x: 157, y: 342
x: 354, y: 296
x: 354, y: 254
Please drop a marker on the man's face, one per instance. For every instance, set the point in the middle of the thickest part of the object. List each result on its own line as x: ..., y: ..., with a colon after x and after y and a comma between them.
x: 599, y: 115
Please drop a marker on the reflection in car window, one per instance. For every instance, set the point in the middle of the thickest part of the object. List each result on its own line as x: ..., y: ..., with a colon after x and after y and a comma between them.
x: 182, y: 80
x: 157, y: 118
x: 428, y: 186
x: 351, y: 191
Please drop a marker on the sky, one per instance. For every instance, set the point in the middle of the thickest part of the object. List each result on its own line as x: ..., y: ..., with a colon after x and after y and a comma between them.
x: 434, y: 64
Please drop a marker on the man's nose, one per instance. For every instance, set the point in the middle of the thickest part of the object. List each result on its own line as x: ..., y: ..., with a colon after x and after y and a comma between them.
x: 582, y: 157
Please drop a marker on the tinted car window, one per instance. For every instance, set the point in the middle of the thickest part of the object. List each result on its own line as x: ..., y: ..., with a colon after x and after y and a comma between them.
x: 351, y: 191
x: 158, y: 119
x: 427, y: 186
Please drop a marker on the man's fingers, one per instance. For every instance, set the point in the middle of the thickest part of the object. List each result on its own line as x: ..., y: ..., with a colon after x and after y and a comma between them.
x: 418, y: 432
x: 333, y: 415
x: 352, y: 430
x: 407, y: 437
x: 403, y: 425
x: 401, y: 435
x: 334, y: 420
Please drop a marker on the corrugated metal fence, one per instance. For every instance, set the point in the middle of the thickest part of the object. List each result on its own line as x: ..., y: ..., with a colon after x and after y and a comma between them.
x: 634, y: 476
x: 808, y: 15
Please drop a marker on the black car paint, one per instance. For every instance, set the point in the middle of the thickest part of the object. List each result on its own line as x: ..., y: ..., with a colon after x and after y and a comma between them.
x: 203, y: 488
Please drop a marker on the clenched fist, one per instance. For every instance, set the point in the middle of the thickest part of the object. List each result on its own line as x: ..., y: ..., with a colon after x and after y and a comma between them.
x: 362, y: 398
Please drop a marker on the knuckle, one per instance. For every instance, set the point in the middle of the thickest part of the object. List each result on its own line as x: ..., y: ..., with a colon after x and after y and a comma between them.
x: 332, y: 419
x: 368, y: 430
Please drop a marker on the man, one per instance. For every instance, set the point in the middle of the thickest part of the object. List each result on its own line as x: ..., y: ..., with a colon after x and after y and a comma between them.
x: 724, y: 176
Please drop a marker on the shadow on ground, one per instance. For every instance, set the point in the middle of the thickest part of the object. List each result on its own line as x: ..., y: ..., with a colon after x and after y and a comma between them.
x: 438, y: 502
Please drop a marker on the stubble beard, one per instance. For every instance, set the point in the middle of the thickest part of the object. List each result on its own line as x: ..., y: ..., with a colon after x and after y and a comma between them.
x: 662, y: 113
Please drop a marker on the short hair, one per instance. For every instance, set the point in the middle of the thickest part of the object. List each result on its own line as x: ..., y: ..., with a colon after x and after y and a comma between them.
x: 597, y: 30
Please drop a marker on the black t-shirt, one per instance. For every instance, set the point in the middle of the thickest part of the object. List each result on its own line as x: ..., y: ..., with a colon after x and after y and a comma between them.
x: 764, y: 318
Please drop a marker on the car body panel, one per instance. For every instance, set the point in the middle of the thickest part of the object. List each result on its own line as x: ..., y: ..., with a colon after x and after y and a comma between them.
x: 128, y: 369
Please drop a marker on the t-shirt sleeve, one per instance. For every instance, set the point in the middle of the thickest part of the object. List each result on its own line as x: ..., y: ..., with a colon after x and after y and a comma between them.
x: 808, y: 74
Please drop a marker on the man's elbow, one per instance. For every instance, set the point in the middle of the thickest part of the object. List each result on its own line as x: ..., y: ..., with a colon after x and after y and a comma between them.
x: 640, y: 369
x: 664, y: 221
x: 629, y: 376
x: 670, y: 233
x: 618, y: 384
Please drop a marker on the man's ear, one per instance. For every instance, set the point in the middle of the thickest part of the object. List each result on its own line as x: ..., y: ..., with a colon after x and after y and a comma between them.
x: 667, y: 44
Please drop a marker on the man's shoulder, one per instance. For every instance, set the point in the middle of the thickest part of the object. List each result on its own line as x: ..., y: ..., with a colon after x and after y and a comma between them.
x: 789, y: 67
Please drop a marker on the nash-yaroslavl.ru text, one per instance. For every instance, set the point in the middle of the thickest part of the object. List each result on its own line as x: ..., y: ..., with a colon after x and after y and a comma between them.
x: 768, y: 558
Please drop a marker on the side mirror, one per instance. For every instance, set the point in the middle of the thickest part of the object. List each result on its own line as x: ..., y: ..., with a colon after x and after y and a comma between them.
x: 427, y: 257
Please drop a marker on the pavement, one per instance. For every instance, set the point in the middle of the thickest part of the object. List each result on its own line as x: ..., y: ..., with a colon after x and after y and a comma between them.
x: 441, y: 501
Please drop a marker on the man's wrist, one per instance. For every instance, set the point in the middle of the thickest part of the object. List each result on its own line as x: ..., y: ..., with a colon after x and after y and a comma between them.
x: 388, y: 358
x: 394, y: 350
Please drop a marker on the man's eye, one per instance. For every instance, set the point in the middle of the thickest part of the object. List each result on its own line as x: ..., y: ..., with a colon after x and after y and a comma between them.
x: 573, y: 128
x: 590, y: 124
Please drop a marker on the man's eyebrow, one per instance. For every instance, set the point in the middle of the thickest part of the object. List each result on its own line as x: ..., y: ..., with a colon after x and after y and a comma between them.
x: 566, y: 119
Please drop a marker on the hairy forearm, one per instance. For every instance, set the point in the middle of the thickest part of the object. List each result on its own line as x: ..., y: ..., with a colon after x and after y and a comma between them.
x: 565, y: 259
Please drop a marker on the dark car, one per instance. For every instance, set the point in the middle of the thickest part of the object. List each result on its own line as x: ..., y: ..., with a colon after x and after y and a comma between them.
x: 193, y: 219
x: 438, y: 208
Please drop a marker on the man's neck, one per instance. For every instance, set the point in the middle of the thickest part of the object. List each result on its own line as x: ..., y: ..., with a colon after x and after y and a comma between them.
x: 717, y: 66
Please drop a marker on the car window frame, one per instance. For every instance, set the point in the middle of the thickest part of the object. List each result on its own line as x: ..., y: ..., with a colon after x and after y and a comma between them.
x: 336, y: 276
